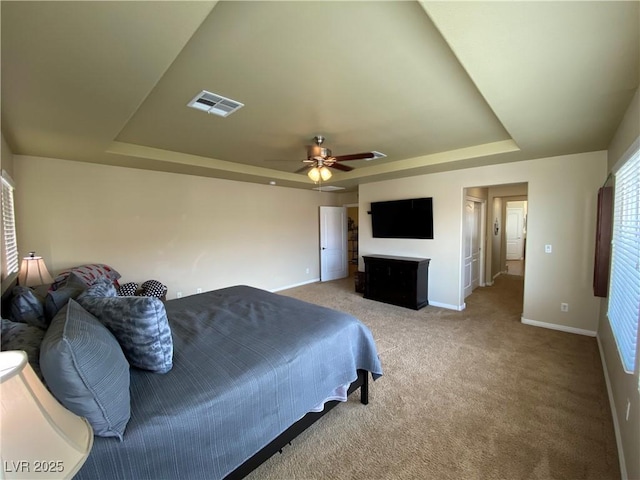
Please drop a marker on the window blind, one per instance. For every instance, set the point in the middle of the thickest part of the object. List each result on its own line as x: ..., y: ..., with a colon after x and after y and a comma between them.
x: 10, y: 247
x: 624, y: 298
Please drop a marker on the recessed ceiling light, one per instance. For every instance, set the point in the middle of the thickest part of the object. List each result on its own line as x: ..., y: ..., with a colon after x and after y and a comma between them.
x: 272, y: 182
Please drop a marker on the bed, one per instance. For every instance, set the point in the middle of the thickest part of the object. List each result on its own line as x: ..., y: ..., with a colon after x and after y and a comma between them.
x: 249, y: 368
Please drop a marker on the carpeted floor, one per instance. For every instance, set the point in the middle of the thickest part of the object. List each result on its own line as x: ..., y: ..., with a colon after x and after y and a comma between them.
x: 465, y: 395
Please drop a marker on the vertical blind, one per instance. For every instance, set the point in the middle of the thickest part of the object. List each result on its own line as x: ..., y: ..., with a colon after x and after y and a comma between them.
x: 624, y: 298
x: 10, y: 247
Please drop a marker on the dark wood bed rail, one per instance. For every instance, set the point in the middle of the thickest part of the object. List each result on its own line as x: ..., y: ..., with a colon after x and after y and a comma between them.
x: 277, y: 444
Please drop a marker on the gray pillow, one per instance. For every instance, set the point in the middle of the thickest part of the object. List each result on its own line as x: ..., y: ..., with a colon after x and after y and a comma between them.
x: 140, y: 324
x: 85, y: 369
x: 56, y: 299
x: 22, y: 336
x: 27, y: 307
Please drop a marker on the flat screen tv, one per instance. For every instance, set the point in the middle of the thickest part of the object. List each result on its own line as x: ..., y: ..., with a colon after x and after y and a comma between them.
x: 411, y: 218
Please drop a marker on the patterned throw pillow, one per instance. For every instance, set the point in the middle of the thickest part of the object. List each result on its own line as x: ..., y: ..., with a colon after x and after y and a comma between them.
x: 153, y: 288
x: 85, y: 369
x: 89, y: 274
x: 22, y: 336
x: 128, y: 289
x: 27, y: 307
x: 141, y: 327
x: 102, y: 288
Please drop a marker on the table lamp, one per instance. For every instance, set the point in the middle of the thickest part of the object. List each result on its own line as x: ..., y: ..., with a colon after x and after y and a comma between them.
x: 33, y: 272
x: 39, y: 437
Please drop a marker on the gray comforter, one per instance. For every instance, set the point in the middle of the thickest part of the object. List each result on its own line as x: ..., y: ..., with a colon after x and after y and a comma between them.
x: 247, y: 364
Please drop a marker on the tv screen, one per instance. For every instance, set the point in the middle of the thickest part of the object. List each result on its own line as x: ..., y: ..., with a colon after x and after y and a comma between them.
x: 411, y: 218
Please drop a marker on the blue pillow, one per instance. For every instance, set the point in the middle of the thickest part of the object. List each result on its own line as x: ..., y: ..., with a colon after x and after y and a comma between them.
x: 102, y: 288
x: 27, y: 307
x: 22, y: 336
x: 85, y: 369
x: 56, y: 299
x: 140, y: 324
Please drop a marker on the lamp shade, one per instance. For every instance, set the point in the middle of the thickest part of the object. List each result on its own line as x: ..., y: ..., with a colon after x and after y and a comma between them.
x: 316, y: 173
x: 33, y: 271
x: 325, y: 173
x: 39, y: 437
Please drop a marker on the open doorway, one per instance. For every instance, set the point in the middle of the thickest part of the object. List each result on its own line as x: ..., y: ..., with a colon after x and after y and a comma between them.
x: 503, y: 229
x: 352, y: 238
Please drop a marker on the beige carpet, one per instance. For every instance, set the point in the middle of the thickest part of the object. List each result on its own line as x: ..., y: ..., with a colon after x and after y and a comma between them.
x: 465, y: 395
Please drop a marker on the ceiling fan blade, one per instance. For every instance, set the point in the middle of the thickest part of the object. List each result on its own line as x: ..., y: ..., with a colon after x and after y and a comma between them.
x: 339, y: 166
x: 354, y: 156
x: 302, y: 169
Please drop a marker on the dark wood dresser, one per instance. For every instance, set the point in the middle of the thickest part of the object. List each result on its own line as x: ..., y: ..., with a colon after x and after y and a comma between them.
x: 402, y: 281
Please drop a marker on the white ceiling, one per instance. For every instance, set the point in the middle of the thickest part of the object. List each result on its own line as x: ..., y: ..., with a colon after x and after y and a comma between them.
x: 433, y: 85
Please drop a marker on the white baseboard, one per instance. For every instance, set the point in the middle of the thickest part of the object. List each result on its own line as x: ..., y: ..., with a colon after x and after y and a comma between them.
x: 457, y: 308
x: 614, y: 414
x: 306, y: 282
x: 562, y: 328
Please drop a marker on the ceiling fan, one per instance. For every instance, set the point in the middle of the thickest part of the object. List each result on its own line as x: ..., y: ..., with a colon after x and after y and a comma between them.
x: 319, y: 160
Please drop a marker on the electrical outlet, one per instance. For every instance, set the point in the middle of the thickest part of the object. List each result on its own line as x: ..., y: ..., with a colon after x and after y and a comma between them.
x: 548, y: 249
x: 307, y: 271
x: 178, y: 294
x: 564, y: 307
x: 198, y: 290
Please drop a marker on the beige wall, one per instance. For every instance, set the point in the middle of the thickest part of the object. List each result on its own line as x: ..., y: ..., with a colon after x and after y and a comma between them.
x: 478, y: 192
x: 494, y: 254
x: 347, y: 198
x: 623, y: 387
x: 562, y: 194
x: 6, y: 158
x: 185, y: 231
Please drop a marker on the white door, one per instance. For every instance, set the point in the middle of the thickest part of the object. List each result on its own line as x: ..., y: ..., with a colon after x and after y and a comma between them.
x: 515, y: 232
x: 333, y: 243
x: 472, y: 245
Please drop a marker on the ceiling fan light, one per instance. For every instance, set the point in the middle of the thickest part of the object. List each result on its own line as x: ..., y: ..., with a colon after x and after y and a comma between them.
x: 325, y: 173
x: 314, y: 174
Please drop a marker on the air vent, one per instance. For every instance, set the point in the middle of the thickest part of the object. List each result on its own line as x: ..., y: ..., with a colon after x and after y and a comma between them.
x: 327, y: 188
x: 376, y: 155
x: 213, y: 103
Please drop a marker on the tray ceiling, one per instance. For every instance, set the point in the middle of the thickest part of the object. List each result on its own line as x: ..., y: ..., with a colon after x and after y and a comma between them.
x: 433, y: 85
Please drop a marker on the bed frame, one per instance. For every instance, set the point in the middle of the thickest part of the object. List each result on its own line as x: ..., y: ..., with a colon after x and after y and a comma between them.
x: 277, y: 444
